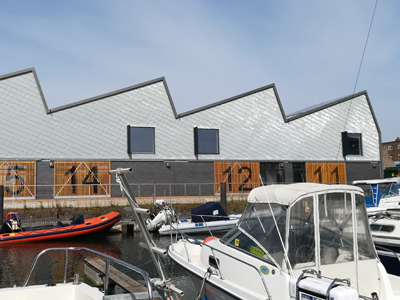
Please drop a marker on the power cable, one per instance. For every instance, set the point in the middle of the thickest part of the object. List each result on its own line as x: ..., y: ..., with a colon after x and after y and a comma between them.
x: 365, y: 47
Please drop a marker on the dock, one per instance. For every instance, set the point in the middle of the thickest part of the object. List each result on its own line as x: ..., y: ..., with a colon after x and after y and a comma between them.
x: 95, y: 268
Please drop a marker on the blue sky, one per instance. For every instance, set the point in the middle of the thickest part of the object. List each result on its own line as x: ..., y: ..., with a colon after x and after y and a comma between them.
x: 209, y: 50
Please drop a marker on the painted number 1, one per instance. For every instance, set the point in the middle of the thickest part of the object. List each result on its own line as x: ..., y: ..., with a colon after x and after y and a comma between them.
x: 241, y: 170
x: 92, y: 171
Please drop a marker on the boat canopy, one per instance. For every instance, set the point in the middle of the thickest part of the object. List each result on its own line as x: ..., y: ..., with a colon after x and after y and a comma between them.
x: 288, y: 194
x: 395, y: 180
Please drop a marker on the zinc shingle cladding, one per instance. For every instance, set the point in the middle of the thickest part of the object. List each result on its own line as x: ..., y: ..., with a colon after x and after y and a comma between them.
x: 251, y: 126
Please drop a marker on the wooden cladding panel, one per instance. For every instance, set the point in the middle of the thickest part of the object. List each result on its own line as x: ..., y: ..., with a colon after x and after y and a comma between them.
x: 239, y: 176
x: 18, y: 178
x: 74, y: 178
x: 329, y: 173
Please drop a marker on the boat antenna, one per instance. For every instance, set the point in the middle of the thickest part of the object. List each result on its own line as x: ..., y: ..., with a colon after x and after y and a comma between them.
x: 365, y: 47
x: 277, y: 229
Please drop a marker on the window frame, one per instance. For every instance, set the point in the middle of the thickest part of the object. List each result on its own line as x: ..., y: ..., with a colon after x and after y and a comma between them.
x: 197, y: 142
x: 130, y: 140
x: 348, y: 139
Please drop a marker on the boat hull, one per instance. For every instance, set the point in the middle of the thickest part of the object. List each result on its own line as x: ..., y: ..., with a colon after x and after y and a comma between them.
x: 212, y: 291
x: 188, y: 227
x: 91, y: 226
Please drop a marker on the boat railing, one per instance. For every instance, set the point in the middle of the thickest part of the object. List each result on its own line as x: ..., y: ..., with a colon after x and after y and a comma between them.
x: 213, y: 249
x: 108, y: 260
x: 175, y: 220
x: 387, y: 252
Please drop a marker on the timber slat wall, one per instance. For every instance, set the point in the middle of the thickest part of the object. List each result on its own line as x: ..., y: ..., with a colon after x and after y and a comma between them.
x: 239, y: 176
x: 329, y: 173
x: 74, y: 178
x: 18, y: 178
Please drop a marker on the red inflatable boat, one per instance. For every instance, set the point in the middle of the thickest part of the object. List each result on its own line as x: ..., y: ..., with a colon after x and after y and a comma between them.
x: 12, y: 232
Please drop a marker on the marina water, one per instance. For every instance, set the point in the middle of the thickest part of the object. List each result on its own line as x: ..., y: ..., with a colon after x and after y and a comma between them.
x: 16, y: 260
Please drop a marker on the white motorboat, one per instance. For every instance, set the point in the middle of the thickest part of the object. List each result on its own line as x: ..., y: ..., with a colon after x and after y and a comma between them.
x: 74, y: 290
x: 209, y: 217
x: 385, y: 228
x: 382, y: 197
x: 293, y: 242
x: 380, y: 193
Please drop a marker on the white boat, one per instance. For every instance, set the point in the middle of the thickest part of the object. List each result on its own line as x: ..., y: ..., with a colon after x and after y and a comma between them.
x: 385, y: 228
x: 293, y: 242
x: 209, y: 217
x: 380, y: 193
x: 382, y: 197
x: 73, y: 290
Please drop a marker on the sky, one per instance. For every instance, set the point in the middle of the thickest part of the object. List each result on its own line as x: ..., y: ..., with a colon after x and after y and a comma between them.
x: 209, y: 51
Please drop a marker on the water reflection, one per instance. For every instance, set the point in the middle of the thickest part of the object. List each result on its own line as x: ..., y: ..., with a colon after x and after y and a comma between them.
x: 17, y: 259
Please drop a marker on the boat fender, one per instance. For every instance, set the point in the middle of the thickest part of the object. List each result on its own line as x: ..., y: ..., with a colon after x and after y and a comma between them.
x: 210, y: 238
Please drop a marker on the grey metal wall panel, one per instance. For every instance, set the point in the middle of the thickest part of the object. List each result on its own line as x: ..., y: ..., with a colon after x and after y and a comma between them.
x: 252, y: 127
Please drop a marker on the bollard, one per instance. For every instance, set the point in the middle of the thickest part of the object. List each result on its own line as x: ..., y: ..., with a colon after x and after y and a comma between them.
x: 223, y: 197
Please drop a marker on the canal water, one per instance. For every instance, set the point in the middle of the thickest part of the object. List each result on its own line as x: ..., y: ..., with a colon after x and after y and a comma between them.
x: 16, y: 260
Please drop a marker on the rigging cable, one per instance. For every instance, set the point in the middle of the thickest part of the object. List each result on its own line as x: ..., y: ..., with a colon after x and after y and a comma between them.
x: 365, y: 47
x: 359, y: 70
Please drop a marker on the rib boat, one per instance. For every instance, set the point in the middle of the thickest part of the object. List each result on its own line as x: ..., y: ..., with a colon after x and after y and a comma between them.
x: 13, y: 232
x: 295, y: 241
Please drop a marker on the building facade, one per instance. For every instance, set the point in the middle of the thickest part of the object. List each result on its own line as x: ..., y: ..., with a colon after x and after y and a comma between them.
x: 243, y: 141
x: 393, y: 148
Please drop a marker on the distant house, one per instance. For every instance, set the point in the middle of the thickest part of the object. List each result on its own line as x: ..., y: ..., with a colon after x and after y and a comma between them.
x: 67, y: 151
x: 393, y: 149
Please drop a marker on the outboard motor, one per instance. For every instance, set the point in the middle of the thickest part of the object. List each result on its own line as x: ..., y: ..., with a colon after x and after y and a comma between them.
x: 13, y: 223
x: 163, y: 217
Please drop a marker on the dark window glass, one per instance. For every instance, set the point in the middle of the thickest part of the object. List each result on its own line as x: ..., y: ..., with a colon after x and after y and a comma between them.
x: 299, y: 172
x: 206, y: 141
x: 140, y: 139
x: 386, y: 228
x: 354, y: 143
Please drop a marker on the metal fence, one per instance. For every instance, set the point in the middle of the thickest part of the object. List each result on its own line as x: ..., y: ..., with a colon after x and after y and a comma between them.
x: 112, y: 191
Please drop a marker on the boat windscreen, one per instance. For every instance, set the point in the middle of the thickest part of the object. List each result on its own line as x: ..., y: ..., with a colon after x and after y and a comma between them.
x: 389, y: 190
x: 366, y: 247
x: 258, y: 233
x: 301, y: 251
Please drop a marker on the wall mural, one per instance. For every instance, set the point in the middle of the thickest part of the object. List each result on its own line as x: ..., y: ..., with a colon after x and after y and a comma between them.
x: 81, y: 179
x: 238, y: 176
x: 18, y: 179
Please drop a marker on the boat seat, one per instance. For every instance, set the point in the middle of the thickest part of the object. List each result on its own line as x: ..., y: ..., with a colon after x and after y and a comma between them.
x: 329, y: 255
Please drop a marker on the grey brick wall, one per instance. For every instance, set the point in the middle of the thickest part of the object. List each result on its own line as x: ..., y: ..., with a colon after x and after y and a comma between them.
x: 44, y: 180
x: 169, y: 179
x: 361, y: 171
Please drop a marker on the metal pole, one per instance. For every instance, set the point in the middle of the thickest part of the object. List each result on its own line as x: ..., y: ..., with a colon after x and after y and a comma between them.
x: 223, y: 197
x: 65, y: 265
x: 1, y: 204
